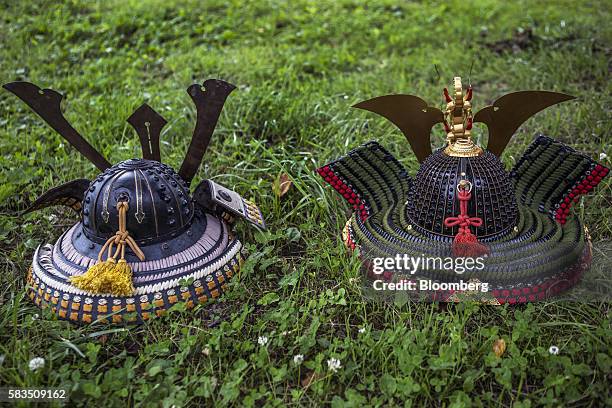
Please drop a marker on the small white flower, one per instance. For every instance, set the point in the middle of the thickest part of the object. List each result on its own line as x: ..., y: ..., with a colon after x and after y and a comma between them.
x: 35, y: 316
x: 262, y: 340
x: 333, y: 364
x: 602, y: 156
x: 284, y: 333
x: 362, y: 330
x: 554, y: 350
x: 36, y: 363
x: 206, y: 351
x: 298, y: 359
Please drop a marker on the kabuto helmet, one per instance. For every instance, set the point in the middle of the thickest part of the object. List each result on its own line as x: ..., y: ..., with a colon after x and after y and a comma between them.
x: 463, y: 204
x: 144, y: 242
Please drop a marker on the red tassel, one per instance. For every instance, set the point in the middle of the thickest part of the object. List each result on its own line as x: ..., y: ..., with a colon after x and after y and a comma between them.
x: 469, y: 124
x: 465, y: 243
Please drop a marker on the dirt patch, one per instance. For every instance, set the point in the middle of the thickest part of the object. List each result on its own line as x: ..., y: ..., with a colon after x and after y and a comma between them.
x: 520, y: 41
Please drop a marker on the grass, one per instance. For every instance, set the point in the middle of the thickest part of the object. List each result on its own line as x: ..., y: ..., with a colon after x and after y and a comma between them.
x: 298, y: 68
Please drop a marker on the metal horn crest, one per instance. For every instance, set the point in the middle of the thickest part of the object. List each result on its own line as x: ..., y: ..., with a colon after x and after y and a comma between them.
x: 208, y: 98
x: 415, y: 118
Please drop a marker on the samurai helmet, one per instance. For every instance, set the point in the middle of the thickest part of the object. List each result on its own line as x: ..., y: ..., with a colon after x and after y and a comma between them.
x: 144, y: 240
x: 463, y: 203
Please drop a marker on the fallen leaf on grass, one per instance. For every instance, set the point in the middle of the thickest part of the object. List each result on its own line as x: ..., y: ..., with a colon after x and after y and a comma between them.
x: 499, y: 346
x: 309, y: 378
x: 282, y: 185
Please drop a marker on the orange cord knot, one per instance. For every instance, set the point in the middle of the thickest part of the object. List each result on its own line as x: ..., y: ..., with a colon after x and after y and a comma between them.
x: 121, y: 238
x: 465, y: 243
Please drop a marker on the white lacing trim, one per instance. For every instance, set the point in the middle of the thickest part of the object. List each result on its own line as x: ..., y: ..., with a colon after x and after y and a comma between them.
x: 43, y: 260
x: 184, y: 264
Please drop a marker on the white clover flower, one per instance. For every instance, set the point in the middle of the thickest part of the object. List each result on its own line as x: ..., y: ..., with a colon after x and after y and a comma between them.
x: 602, y: 156
x: 554, y: 350
x: 298, y: 359
x: 333, y: 364
x: 36, y: 363
x: 362, y: 330
x: 262, y: 340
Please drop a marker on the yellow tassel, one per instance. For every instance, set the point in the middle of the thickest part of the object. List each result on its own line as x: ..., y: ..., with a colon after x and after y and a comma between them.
x: 91, y: 281
x: 122, y: 282
x: 107, y: 277
x: 112, y: 277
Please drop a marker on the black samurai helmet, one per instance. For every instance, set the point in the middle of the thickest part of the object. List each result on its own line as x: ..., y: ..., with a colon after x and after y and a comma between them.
x: 141, y: 229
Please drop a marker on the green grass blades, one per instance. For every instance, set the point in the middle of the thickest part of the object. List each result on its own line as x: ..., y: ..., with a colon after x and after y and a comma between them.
x: 295, y: 329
